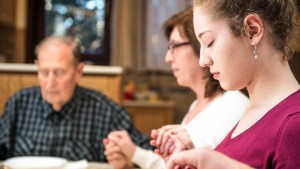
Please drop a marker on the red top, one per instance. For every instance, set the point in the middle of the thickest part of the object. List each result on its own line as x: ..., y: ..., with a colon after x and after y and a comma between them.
x: 273, y: 141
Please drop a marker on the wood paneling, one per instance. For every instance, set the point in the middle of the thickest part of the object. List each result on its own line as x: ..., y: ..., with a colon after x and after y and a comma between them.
x: 150, y: 116
x: 8, y: 12
x: 12, y: 82
x: 13, y: 30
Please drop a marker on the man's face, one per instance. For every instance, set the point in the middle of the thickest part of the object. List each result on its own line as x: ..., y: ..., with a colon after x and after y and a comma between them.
x: 57, y: 73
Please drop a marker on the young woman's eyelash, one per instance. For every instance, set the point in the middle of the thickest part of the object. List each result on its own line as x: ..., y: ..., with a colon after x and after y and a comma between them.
x: 211, y: 43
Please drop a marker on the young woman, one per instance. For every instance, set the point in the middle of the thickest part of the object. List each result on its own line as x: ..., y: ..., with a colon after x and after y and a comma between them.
x: 211, y: 115
x: 245, y: 44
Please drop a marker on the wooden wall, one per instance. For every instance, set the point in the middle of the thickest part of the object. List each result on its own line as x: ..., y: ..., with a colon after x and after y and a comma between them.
x: 13, y: 30
x: 11, y: 82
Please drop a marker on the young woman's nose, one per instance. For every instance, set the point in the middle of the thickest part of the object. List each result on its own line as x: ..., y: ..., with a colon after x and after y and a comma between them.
x: 205, y: 60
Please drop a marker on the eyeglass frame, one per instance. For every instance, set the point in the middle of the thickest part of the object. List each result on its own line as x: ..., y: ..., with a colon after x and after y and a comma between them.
x: 172, y: 47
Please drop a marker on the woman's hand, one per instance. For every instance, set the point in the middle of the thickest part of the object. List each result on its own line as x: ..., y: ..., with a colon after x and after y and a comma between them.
x: 114, y: 156
x: 203, y: 158
x: 124, y: 142
x: 170, y: 139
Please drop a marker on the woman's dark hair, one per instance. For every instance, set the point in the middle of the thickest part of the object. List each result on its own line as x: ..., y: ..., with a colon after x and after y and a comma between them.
x: 184, y: 21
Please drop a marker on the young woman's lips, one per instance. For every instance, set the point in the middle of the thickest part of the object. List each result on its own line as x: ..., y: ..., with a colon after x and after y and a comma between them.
x: 216, y: 75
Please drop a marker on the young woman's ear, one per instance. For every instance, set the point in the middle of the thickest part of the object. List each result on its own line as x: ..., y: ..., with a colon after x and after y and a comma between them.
x: 253, y: 28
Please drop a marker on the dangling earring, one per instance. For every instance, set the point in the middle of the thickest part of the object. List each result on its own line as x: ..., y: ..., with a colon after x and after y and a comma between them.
x: 255, y: 52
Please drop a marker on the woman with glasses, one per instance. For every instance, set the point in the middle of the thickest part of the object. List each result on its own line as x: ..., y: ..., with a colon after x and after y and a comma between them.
x: 210, y: 116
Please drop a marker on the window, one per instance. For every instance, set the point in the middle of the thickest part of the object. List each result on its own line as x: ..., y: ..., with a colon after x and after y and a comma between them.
x: 86, y: 20
x: 157, y: 13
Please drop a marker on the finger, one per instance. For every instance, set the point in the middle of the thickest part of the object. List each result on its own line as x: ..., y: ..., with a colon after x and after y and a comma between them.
x: 154, y: 133
x: 169, y: 144
x: 189, y: 167
x: 185, y: 140
x: 112, y: 149
x: 178, y: 167
x: 109, y: 144
x: 183, y: 137
x: 153, y: 143
x: 184, y: 158
x: 157, y: 151
x: 178, y: 148
x: 159, y: 137
x: 160, y: 142
x: 165, y: 139
x: 169, y: 127
x: 121, y: 138
x: 115, y: 139
x: 115, y: 156
x: 172, y: 148
x: 119, y: 133
x: 161, y: 133
x: 105, y: 141
x: 177, y: 145
x: 171, y: 165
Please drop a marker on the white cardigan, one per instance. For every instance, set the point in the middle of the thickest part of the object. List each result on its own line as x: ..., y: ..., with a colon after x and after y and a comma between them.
x: 207, y: 129
x: 210, y: 127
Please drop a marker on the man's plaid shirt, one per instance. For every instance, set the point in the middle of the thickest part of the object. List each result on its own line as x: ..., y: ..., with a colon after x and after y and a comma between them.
x: 30, y: 127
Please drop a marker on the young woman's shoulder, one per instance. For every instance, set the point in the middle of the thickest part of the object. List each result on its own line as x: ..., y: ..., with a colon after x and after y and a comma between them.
x: 291, y: 104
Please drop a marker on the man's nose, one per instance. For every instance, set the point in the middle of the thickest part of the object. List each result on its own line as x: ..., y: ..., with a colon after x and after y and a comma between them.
x: 51, y: 80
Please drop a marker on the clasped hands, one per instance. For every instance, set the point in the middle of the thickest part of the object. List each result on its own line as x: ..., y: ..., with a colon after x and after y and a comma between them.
x: 170, y: 139
x: 119, y: 149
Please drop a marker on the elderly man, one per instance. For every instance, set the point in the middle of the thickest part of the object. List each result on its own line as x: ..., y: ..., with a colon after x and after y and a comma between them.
x: 60, y: 118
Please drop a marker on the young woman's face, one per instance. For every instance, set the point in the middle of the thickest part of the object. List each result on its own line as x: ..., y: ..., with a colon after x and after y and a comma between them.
x: 183, y: 60
x: 228, y: 57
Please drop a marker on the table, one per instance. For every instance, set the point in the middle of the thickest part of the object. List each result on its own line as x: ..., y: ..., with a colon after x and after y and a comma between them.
x: 91, y: 165
x: 96, y: 165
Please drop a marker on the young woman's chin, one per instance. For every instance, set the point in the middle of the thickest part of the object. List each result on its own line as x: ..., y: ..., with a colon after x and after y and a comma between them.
x: 230, y: 86
x: 180, y: 82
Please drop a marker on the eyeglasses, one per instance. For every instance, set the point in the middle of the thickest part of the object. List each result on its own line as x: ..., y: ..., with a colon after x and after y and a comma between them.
x: 173, y: 46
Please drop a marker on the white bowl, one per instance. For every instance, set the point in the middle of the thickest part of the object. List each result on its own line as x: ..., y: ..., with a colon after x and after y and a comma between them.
x: 35, y: 162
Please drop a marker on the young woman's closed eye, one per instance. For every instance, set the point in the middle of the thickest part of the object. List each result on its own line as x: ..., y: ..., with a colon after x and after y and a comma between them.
x: 210, y: 44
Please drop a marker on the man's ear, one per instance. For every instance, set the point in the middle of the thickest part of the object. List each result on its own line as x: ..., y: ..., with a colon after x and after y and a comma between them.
x: 253, y: 28
x: 36, y: 62
x: 79, y: 71
x: 79, y: 68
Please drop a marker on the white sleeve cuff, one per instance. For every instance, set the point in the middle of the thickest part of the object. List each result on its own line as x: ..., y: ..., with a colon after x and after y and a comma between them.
x: 147, y: 159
